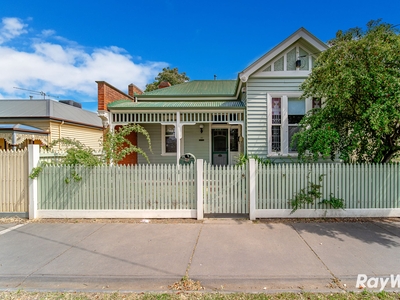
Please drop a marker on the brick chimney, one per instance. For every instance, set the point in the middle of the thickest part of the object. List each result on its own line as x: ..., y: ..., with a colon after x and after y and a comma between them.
x: 106, y: 94
x: 133, y: 89
x: 164, y: 84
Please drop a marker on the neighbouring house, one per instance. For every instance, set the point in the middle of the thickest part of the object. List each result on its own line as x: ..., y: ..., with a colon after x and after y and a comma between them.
x: 41, y: 121
x: 217, y: 120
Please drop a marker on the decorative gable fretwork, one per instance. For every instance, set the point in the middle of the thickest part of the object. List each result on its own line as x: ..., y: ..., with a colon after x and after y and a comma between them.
x: 166, y: 117
x: 296, y: 58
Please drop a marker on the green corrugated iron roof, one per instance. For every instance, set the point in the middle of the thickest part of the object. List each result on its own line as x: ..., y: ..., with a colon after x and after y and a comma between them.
x: 196, y: 88
x: 127, y: 104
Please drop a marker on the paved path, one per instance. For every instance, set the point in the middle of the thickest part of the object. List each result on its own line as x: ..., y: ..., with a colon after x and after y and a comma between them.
x: 229, y: 255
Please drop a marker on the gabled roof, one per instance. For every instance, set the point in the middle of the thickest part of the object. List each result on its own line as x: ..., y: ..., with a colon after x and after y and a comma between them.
x: 301, y: 33
x: 126, y: 104
x: 46, y: 108
x: 202, y: 88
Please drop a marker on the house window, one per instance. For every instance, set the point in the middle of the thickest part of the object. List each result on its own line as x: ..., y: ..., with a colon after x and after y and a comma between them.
x: 285, y: 114
x: 296, y: 111
x: 276, y: 124
x: 169, y: 139
x: 234, y: 140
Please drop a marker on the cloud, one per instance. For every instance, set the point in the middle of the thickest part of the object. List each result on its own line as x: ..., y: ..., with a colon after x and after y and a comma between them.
x: 11, y: 28
x: 65, y: 69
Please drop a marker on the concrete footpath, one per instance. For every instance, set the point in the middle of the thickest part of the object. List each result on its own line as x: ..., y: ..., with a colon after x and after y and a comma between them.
x: 224, y: 255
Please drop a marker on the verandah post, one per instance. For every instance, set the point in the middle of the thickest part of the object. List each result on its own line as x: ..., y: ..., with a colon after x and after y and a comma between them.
x: 199, y: 189
x: 252, y: 188
x: 33, y: 161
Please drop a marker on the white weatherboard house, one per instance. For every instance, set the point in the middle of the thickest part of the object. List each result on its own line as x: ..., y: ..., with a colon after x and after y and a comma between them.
x: 216, y: 120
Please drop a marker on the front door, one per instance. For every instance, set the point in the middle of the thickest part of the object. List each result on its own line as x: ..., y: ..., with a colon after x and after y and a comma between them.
x: 220, y: 147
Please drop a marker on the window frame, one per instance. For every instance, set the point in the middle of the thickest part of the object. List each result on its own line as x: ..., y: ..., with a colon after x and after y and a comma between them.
x: 163, y: 144
x: 284, y: 96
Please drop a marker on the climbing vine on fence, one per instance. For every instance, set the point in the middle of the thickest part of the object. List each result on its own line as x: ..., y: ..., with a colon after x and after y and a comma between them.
x: 311, y: 193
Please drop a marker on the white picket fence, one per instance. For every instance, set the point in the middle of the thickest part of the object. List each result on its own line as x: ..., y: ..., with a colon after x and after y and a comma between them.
x: 190, y: 191
x: 360, y: 186
x: 367, y: 190
x: 140, y: 187
x: 14, y: 182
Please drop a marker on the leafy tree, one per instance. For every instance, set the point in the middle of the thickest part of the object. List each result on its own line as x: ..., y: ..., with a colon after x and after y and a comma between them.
x: 171, y: 75
x: 358, y: 80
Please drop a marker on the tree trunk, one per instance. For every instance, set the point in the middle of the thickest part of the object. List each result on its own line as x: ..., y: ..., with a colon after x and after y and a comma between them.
x: 388, y: 156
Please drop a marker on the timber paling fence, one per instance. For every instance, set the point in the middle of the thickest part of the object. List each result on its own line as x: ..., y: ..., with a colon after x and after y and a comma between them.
x: 13, y: 181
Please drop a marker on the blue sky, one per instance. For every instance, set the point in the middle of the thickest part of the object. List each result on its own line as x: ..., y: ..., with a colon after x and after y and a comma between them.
x: 63, y: 47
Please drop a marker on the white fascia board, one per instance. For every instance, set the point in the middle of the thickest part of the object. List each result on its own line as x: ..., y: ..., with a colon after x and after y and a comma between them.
x: 301, y: 33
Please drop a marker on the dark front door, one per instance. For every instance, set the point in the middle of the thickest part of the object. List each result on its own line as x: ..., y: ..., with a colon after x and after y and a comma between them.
x: 220, y: 147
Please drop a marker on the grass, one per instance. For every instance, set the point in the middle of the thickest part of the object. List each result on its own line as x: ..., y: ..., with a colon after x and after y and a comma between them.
x: 22, y: 295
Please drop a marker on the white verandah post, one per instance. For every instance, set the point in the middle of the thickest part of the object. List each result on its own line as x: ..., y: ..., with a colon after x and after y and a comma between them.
x: 178, y: 135
x: 199, y: 189
x: 33, y: 161
x: 252, y: 188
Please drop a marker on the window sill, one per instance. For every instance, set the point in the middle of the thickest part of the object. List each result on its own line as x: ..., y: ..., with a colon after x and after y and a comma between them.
x: 168, y: 154
x: 275, y: 155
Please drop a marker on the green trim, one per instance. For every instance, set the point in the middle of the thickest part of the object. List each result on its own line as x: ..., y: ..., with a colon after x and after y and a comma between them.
x: 126, y: 104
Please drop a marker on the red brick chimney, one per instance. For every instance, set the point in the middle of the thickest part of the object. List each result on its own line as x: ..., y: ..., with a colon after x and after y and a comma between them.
x: 133, y: 89
x: 106, y: 94
x: 164, y: 84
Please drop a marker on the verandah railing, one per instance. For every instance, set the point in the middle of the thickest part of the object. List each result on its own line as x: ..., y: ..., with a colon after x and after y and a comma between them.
x: 365, y: 186
x: 141, y: 187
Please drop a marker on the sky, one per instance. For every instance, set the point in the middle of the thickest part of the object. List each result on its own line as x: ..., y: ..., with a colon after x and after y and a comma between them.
x: 61, y: 48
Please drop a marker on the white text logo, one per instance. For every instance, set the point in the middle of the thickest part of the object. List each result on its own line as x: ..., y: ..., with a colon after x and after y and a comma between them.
x: 377, y: 282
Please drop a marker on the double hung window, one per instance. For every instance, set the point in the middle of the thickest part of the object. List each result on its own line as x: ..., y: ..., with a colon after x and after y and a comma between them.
x: 296, y: 111
x: 285, y: 114
x: 168, y: 140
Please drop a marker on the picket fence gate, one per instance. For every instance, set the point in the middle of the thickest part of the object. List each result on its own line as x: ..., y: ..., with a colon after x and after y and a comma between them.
x: 225, y: 189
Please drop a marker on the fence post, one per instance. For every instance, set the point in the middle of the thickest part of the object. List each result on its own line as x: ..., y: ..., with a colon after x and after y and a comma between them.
x: 199, y: 189
x: 252, y: 188
x: 33, y: 160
